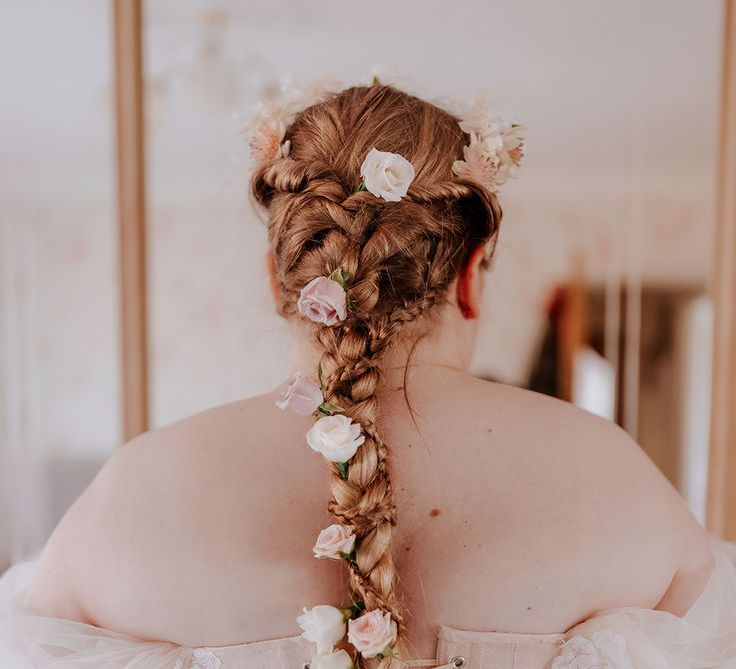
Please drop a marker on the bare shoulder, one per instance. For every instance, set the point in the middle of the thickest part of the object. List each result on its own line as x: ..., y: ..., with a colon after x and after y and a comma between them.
x: 127, y: 498
x: 599, y: 463
x: 586, y: 445
x: 177, y: 522
x: 567, y: 484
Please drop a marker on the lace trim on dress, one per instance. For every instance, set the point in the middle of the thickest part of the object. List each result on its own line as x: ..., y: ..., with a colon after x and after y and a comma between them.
x: 603, y: 650
x: 202, y: 658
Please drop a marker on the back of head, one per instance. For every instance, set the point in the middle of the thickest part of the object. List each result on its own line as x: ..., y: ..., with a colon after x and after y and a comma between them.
x: 399, y: 258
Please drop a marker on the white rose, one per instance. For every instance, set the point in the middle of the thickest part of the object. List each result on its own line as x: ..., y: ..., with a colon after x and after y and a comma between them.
x: 323, y: 625
x: 386, y: 174
x: 335, y: 437
x: 334, y: 540
x: 338, y: 660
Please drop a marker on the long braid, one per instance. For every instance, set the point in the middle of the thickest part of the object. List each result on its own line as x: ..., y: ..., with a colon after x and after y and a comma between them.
x: 364, y: 501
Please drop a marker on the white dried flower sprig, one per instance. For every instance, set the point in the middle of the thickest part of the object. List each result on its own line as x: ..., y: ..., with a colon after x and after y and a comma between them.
x: 495, y: 150
x: 267, y: 140
x: 265, y: 132
x: 266, y: 128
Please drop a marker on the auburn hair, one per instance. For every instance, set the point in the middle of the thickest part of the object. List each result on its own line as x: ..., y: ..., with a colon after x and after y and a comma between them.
x: 401, y: 258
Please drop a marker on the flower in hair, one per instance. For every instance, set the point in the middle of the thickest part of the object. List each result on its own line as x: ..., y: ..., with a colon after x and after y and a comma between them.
x: 495, y: 150
x: 323, y: 625
x: 339, y: 659
x: 267, y: 125
x: 337, y: 438
x: 335, y: 542
x: 480, y: 164
x: 512, y: 151
x: 302, y: 395
x: 266, y: 139
x: 324, y: 300
x: 372, y: 633
x: 481, y: 119
x: 304, y: 94
x: 386, y: 175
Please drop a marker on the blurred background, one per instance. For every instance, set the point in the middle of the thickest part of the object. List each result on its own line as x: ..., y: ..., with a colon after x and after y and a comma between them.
x: 602, y: 291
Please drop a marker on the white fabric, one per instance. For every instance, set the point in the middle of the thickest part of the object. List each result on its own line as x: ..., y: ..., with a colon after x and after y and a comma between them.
x: 623, y: 638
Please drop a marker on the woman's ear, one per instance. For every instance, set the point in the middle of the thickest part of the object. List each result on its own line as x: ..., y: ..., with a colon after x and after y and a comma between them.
x: 470, y: 284
x: 272, y: 281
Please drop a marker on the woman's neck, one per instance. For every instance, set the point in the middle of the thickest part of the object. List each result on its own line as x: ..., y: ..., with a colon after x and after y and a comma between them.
x: 440, y: 349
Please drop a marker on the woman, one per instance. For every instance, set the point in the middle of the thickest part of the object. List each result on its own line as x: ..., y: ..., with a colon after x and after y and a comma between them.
x: 457, y: 522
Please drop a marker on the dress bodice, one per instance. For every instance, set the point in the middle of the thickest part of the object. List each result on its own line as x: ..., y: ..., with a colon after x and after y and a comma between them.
x: 622, y: 638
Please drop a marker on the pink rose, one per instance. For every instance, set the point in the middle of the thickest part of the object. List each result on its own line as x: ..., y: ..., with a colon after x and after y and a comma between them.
x: 323, y: 301
x: 372, y: 632
x: 302, y: 396
x: 334, y: 540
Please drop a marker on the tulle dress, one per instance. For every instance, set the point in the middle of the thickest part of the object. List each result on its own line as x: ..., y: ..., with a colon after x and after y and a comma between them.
x: 621, y: 638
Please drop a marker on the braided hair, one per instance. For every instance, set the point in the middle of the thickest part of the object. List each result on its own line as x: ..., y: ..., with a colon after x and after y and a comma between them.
x: 401, y: 258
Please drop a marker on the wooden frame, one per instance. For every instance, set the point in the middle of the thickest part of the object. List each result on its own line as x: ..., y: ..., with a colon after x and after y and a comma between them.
x: 722, y: 474
x: 131, y: 214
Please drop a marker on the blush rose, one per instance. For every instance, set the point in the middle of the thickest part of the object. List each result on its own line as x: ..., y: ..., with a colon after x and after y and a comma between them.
x: 302, y: 395
x: 334, y: 540
x: 323, y: 300
x: 372, y: 632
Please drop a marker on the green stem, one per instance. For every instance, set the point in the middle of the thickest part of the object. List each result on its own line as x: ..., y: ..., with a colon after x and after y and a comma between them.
x: 388, y: 652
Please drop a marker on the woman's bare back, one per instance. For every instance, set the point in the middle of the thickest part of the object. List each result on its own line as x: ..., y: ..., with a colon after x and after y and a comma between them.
x: 517, y: 512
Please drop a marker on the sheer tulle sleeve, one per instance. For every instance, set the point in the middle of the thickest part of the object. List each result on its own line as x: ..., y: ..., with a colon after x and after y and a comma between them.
x: 28, y: 640
x: 704, y: 638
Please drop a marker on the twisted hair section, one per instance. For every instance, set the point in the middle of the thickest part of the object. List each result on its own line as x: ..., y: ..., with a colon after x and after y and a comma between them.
x: 401, y: 258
